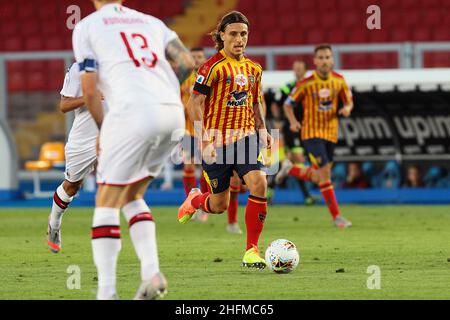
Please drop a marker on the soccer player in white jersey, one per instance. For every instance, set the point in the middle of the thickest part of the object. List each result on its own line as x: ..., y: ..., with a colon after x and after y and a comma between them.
x: 80, y: 153
x: 137, y: 62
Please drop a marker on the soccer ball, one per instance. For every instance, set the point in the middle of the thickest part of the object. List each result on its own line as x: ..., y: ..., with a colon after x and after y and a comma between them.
x: 282, y: 256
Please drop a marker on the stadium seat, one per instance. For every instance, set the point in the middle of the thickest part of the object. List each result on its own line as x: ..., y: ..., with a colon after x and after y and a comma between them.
x: 33, y: 43
x: 422, y: 34
x: 433, y: 176
x: 289, y: 21
x: 274, y: 38
x: 359, y: 36
x: 368, y: 169
x: 339, y: 174
x: 432, y: 18
x: 13, y: 44
x: 338, y: 36
x: 315, y: 36
x: 390, y: 176
x: 441, y: 33
x: 330, y: 21
x: 384, y: 60
x: 400, y: 34
x: 51, y: 156
x: 292, y: 37
x: 327, y: 6
x: 9, y: 27
x: 411, y: 18
x: 352, y: 18
x: 378, y: 36
x: 444, y: 182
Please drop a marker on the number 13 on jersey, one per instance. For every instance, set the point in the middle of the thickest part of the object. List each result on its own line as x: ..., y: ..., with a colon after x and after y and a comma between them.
x: 137, y: 38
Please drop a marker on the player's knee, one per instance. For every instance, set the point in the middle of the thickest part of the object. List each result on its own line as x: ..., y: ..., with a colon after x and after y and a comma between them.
x: 188, y: 167
x: 259, y: 187
x: 221, y: 207
x: 72, y: 188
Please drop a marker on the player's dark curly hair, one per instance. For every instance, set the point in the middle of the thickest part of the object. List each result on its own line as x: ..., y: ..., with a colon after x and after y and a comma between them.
x: 231, y: 17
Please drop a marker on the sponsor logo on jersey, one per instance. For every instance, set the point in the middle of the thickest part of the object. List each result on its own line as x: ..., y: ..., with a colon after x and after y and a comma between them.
x: 200, y: 78
x: 237, y: 99
x: 324, y: 93
x: 325, y: 105
x: 214, y: 183
x: 240, y: 80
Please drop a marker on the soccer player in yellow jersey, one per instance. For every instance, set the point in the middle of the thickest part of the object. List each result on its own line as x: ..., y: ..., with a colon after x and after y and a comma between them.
x: 227, y: 101
x: 190, y: 154
x: 320, y: 95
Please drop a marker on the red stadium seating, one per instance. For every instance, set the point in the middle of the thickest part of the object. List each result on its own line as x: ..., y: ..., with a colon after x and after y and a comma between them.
x: 41, y: 25
x: 311, y: 22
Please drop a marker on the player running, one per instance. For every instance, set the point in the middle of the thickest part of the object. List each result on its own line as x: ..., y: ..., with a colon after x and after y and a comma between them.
x: 80, y: 154
x: 135, y: 61
x: 320, y: 95
x: 226, y: 98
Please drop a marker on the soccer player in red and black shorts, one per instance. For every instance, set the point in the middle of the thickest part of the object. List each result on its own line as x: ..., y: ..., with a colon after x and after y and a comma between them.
x: 320, y: 95
x: 227, y: 101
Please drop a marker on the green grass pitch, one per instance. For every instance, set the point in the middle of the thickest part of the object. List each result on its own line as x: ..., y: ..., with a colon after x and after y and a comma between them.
x: 410, y: 244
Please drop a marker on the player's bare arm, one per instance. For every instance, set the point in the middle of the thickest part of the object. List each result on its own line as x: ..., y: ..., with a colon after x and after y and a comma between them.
x: 92, y: 97
x: 260, y: 124
x: 67, y: 104
x: 180, y: 59
x: 289, y: 112
x: 346, y: 110
x: 195, y: 107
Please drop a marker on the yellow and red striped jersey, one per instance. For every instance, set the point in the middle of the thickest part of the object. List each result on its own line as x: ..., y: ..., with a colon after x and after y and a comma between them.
x: 231, y: 88
x: 320, y: 99
x: 186, y: 91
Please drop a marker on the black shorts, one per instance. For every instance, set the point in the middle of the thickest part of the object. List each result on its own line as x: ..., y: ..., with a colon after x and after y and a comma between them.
x: 191, y: 151
x: 242, y: 156
x: 320, y: 151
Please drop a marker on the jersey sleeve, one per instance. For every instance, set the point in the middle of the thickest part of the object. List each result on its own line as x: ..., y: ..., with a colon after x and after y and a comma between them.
x: 204, y: 81
x: 71, y: 86
x: 257, y: 92
x: 167, y: 34
x: 345, y: 94
x: 84, y: 55
x: 297, y: 93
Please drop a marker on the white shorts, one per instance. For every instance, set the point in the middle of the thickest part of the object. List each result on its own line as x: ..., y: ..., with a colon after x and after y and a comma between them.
x: 79, y: 161
x: 135, y: 146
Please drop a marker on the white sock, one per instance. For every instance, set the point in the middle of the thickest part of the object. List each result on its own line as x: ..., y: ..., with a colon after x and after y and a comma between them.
x: 61, y: 201
x: 106, y: 246
x: 143, y: 235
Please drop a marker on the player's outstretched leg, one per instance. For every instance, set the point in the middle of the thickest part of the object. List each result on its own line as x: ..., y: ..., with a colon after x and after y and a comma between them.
x: 194, y: 201
x: 201, y: 215
x: 143, y: 235
x: 106, y: 246
x: 62, y: 198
